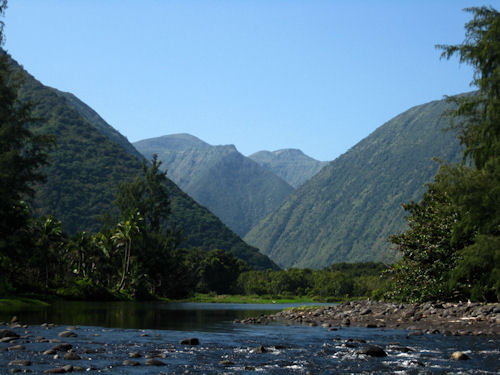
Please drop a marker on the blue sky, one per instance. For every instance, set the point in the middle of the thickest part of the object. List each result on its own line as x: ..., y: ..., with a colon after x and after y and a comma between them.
x: 259, y: 74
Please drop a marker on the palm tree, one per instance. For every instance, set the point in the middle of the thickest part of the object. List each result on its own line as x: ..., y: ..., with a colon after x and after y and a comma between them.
x: 126, y: 232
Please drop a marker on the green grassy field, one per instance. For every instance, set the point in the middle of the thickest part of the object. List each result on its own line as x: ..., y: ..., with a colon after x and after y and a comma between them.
x: 210, y: 298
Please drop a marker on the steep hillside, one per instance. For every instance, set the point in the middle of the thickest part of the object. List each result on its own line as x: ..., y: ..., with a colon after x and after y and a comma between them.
x: 291, y: 165
x: 347, y: 211
x: 236, y: 189
x: 88, y: 162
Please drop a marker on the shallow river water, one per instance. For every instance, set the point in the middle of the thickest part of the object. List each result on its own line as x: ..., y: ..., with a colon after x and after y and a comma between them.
x: 108, y: 332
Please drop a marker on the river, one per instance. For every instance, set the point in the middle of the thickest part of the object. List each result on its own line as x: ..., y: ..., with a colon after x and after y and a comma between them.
x: 106, y: 334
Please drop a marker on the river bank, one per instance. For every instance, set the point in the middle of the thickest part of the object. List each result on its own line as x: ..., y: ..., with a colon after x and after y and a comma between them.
x: 446, y: 318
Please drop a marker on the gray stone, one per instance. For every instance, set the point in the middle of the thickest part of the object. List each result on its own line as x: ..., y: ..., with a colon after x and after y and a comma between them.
x: 372, y: 351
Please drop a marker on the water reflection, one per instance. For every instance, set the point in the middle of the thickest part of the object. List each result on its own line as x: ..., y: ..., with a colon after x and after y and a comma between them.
x: 145, y: 315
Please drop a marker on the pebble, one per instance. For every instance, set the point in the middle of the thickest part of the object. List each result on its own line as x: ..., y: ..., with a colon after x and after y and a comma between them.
x: 459, y: 356
x: 154, y: 362
x: 67, y: 334
x: 129, y: 362
x: 20, y: 362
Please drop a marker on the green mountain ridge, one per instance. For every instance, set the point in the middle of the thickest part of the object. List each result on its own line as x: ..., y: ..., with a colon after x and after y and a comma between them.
x: 346, y: 212
x: 236, y: 189
x: 89, y: 161
x: 292, y: 165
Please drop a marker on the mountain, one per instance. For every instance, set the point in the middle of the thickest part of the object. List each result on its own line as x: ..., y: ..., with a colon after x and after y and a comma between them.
x: 89, y: 161
x: 346, y: 212
x: 291, y: 165
x: 235, y: 188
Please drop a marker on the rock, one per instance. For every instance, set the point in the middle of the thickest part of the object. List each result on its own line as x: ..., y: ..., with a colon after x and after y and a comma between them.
x: 17, y: 347
x: 20, y: 362
x: 154, y: 362
x: 459, y: 356
x: 226, y: 362
x: 190, y: 341
x: 72, y: 356
x: 62, y: 347
x: 260, y: 349
x: 129, y: 362
x: 365, y: 311
x: 8, y: 339
x: 346, y: 322
x: 49, y: 352
x: 68, y: 368
x: 67, y: 334
x: 14, y: 319
x: 134, y: 355
x: 8, y: 333
x: 57, y: 370
x: 372, y: 351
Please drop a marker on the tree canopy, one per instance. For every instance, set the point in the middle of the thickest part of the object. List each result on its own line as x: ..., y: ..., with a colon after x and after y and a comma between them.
x: 451, y: 247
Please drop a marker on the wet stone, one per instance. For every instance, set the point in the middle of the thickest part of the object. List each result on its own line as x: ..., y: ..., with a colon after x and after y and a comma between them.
x: 7, y: 333
x: 134, y: 355
x: 72, y: 356
x: 17, y: 347
x: 190, y: 341
x: 372, y: 351
x: 20, y: 362
x: 129, y: 362
x: 459, y: 356
x: 67, y: 334
x: 154, y: 362
x: 64, y: 347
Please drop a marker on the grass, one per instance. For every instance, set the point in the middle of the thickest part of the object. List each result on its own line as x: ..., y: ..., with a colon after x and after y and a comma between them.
x: 15, y: 303
x: 226, y: 298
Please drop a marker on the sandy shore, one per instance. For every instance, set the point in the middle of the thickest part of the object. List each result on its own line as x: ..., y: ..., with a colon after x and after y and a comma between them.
x: 445, y: 318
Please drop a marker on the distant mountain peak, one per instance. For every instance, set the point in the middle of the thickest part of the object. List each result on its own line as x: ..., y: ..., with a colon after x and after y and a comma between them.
x: 291, y: 164
x: 235, y: 188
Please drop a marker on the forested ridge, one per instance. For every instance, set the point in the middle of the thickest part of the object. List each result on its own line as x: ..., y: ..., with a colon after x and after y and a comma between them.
x: 346, y: 212
x: 235, y: 188
x: 291, y: 165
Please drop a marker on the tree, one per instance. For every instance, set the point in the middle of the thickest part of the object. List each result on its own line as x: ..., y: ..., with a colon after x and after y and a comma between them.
x: 147, y: 195
x: 454, y: 231
x: 22, y: 153
x: 478, y: 116
x: 126, y: 233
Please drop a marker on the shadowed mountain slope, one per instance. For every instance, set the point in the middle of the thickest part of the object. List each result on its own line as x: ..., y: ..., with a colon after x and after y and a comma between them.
x: 346, y: 212
x: 236, y: 189
x: 291, y: 165
x: 89, y: 161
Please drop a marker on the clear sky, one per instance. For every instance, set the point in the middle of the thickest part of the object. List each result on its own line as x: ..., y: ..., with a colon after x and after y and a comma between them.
x: 259, y: 74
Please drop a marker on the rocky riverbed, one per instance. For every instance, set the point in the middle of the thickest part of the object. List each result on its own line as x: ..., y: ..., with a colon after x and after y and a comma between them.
x: 274, y: 348
x: 445, y: 318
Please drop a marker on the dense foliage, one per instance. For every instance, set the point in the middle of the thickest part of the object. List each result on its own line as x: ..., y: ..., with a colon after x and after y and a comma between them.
x: 337, y: 282
x: 451, y: 249
x: 346, y: 212
x: 87, y: 164
x: 236, y: 189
